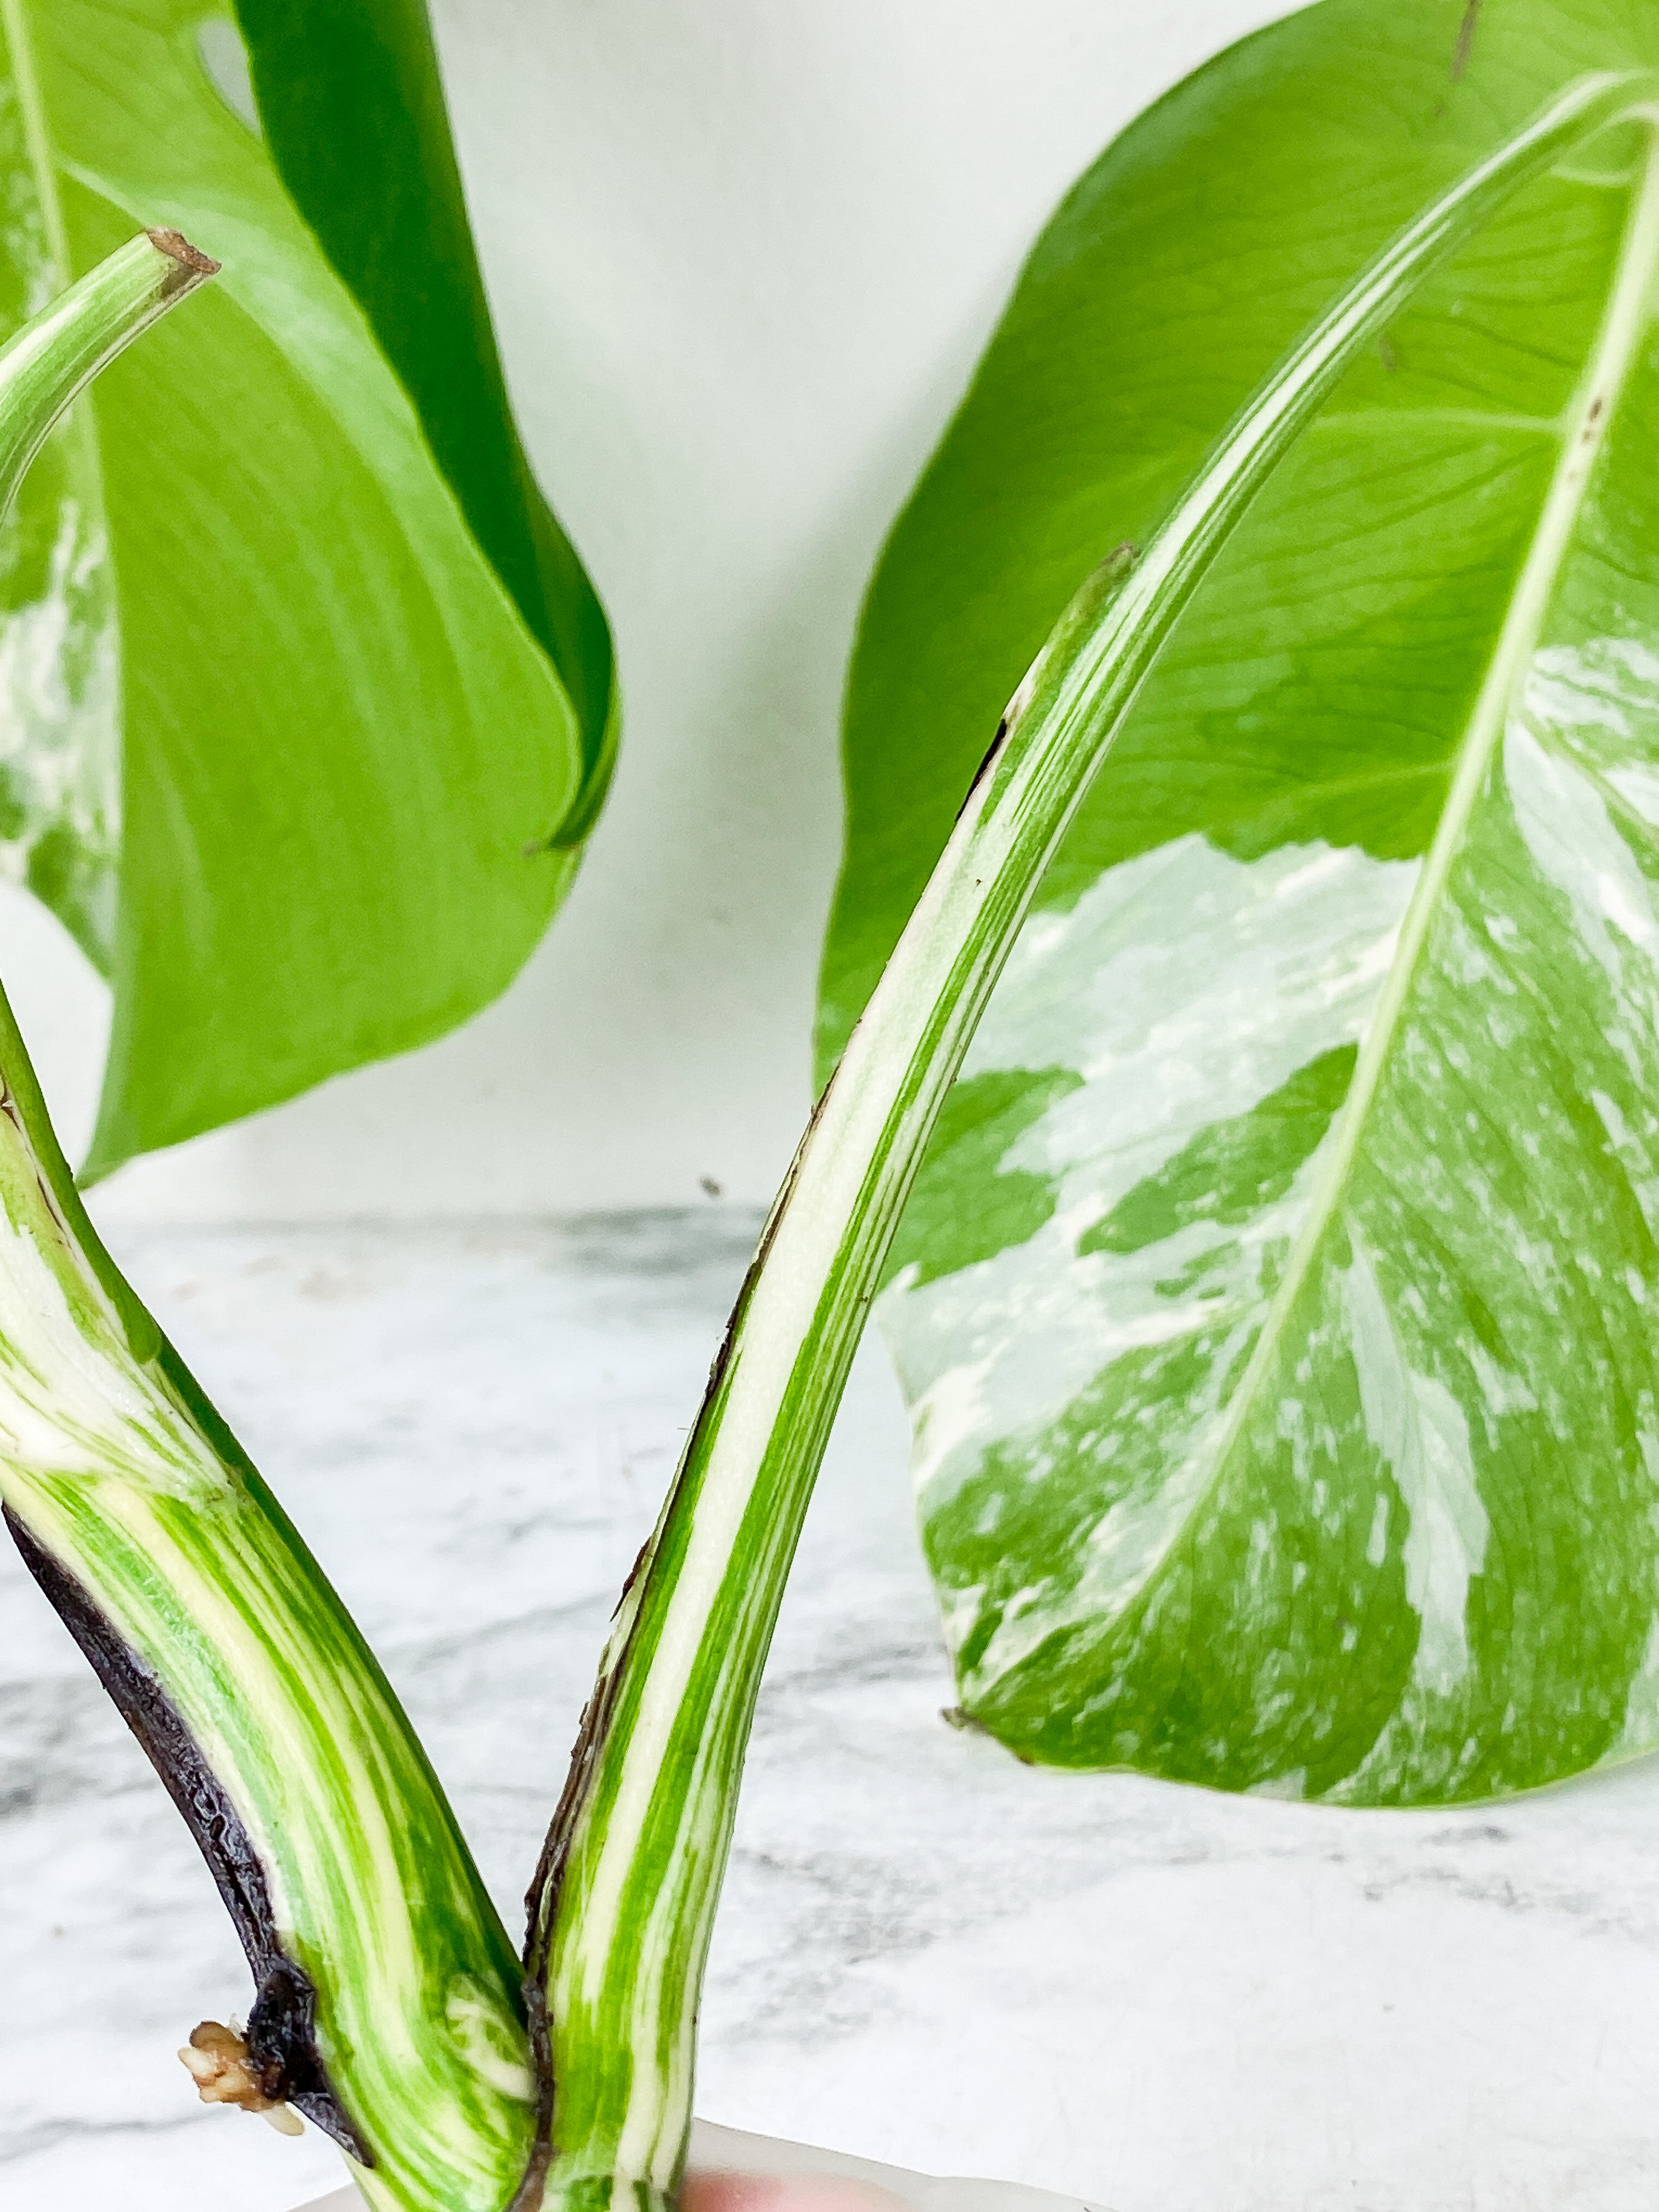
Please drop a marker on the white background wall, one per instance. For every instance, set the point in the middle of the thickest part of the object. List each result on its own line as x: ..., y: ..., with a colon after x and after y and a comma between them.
x: 744, y: 254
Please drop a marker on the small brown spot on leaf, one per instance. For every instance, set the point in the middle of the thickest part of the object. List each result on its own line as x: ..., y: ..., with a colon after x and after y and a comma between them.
x: 1465, y: 45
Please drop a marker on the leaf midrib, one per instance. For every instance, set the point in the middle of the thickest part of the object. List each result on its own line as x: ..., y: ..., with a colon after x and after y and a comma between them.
x: 1582, y: 432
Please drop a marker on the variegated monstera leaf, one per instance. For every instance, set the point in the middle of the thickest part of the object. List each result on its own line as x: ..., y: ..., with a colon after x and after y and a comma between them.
x: 1279, y: 1306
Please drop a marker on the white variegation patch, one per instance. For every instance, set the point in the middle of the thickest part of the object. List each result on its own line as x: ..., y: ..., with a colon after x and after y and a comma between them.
x: 1423, y: 1435
x: 74, y: 1401
x: 1587, y: 731
x: 1578, y: 849
x: 1601, y: 699
x: 1184, y: 989
x: 493, y: 2045
x: 60, y: 714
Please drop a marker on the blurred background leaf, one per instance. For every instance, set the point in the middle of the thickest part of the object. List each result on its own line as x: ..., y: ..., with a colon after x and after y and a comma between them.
x: 352, y: 108
x: 309, y: 703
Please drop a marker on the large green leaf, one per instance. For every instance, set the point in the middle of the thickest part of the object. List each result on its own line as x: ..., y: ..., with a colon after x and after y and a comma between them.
x: 288, y: 630
x: 1276, y: 1304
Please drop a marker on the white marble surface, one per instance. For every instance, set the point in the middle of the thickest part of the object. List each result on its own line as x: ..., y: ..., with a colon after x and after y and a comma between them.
x: 1157, y: 1999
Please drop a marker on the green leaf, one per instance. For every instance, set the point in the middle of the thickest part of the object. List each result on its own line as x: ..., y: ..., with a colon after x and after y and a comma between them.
x: 363, y: 691
x: 352, y: 105
x: 1299, y: 1429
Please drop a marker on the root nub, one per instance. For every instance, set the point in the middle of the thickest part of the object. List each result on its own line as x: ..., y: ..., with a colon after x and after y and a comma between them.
x: 226, y: 2072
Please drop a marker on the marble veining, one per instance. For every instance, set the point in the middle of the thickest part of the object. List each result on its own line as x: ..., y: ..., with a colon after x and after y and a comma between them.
x: 1159, y: 1999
